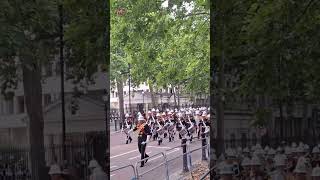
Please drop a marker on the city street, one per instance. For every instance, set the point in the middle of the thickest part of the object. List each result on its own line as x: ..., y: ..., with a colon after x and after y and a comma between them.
x: 122, y: 154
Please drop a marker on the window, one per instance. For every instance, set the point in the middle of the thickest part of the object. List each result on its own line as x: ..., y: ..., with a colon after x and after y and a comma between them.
x: 49, y: 69
x: 233, y: 140
x: 47, y: 99
x: 21, y: 104
x: 58, y: 68
x: 10, y: 105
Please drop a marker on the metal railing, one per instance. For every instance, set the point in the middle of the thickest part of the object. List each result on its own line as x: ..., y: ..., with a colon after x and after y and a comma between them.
x: 124, y: 167
x: 166, y: 161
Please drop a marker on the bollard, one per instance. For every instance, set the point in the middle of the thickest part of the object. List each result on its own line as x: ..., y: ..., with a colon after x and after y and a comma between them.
x: 203, y: 143
x: 189, y: 157
x: 185, y: 156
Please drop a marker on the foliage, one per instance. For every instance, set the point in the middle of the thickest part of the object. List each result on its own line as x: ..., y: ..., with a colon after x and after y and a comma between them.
x: 164, y: 45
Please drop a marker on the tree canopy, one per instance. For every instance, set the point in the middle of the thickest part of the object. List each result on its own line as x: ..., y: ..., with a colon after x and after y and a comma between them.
x: 166, y: 42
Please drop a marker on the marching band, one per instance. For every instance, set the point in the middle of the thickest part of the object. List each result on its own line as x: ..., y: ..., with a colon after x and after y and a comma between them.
x: 164, y: 125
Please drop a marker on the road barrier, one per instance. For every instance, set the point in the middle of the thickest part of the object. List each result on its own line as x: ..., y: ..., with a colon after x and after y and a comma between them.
x: 124, y: 167
x: 165, y: 163
x: 186, y: 155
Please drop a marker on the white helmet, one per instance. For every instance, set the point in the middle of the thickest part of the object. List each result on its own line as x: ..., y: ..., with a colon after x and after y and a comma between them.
x: 93, y: 164
x: 226, y: 169
x: 230, y: 153
x: 255, y: 161
x: 301, y: 166
x: 140, y: 118
x: 271, y: 151
x: 204, y: 113
x: 315, y: 150
x: 55, y: 169
x: 246, y: 162
x: 279, y: 161
x: 316, y: 172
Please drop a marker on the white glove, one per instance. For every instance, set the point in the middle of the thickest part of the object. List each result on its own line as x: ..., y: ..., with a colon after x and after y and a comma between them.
x: 147, y: 141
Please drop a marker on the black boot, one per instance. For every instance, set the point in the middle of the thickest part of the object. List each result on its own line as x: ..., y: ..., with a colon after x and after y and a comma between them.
x: 169, y: 139
x: 127, y: 142
x: 146, y: 159
x: 130, y: 139
x: 142, y: 164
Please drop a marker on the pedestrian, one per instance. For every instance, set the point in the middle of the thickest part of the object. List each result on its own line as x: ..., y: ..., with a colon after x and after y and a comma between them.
x: 300, y: 170
x: 278, y: 173
x: 225, y: 171
x: 144, y: 134
x: 55, y: 172
x: 245, y: 166
x: 128, y: 128
x: 96, y: 171
x: 256, y: 173
x: 316, y: 173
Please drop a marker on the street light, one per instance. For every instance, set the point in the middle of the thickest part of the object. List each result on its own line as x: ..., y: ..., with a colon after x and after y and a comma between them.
x: 129, y: 67
x: 105, y: 100
x: 143, y: 100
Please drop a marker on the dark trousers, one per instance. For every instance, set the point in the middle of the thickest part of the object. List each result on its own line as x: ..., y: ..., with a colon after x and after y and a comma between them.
x: 142, y: 150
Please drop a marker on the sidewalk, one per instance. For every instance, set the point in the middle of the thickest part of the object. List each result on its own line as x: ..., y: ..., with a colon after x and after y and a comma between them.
x: 198, y: 169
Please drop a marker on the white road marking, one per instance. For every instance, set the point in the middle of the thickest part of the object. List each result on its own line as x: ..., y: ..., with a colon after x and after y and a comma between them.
x: 112, y: 175
x: 139, y: 156
x: 123, y: 154
x: 160, y: 147
x: 113, y: 166
x: 175, y: 149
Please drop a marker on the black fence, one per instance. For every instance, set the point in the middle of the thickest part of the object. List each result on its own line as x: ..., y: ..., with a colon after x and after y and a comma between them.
x: 15, y: 161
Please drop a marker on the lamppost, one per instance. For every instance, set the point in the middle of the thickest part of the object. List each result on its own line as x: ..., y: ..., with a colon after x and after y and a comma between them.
x: 129, y: 67
x: 62, y: 84
x: 143, y: 100
x: 105, y: 100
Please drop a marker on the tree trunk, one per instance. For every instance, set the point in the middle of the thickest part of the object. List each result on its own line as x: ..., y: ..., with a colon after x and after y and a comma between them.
x: 178, y: 94
x: 121, y: 101
x: 33, y: 98
x: 153, y: 101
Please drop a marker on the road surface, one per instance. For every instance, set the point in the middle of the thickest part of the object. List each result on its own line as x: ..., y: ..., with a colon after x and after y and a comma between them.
x: 122, y: 154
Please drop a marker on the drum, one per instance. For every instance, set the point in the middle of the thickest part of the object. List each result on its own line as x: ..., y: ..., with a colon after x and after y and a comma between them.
x: 166, y: 126
x: 160, y: 131
x: 192, y: 130
x: 183, y: 132
x: 126, y: 130
x: 171, y: 127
